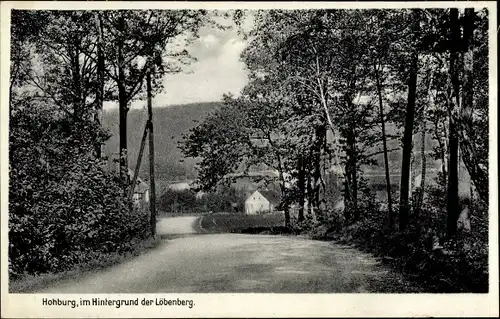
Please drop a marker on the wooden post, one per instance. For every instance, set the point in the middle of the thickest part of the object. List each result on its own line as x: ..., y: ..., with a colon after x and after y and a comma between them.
x: 152, y: 195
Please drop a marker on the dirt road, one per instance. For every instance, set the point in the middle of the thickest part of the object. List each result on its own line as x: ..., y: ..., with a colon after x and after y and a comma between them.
x: 176, y: 225
x: 238, y: 263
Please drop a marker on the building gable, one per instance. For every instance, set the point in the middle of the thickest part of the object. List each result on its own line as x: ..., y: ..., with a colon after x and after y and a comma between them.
x: 264, y: 196
x: 256, y: 197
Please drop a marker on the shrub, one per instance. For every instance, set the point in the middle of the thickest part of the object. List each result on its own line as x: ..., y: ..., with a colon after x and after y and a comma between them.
x: 462, y: 264
x: 64, y: 208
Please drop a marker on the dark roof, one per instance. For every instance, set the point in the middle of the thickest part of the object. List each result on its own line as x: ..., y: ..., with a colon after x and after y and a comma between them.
x: 272, y: 196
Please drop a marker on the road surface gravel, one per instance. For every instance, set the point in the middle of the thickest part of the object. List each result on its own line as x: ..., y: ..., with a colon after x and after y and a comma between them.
x: 186, y: 262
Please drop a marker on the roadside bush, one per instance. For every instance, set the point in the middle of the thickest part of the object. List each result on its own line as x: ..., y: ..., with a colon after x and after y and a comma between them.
x: 64, y: 208
x: 460, y: 266
x: 225, y: 199
x: 323, y: 225
x: 235, y: 223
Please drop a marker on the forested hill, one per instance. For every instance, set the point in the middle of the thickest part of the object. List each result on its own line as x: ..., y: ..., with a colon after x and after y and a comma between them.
x: 170, y: 123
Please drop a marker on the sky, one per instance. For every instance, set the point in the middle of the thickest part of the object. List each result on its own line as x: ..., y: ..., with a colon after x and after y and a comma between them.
x: 217, y: 70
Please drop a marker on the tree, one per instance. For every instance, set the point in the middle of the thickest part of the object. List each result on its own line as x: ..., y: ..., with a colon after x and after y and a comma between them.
x: 220, y: 143
x: 384, y: 36
x: 25, y: 28
x: 325, y: 90
x: 101, y: 75
x: 137, y: 39
x: 245, y: 132
x: 408, y: 133
x: 64, y: 208
x: 56, y: 71
x: 461, y: 72
x: 474, y: 154
x: 334, y: 40
x: 427, y: 103
x: 54, y: 63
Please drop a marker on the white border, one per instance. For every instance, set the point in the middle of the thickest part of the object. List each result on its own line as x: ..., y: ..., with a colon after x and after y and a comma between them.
x: 258, y: 305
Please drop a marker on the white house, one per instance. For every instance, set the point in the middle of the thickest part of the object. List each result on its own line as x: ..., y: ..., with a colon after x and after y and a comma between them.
x: 261, y: 201
x: 199, y: 194
x: 140, y: 197
x: 180, y: 186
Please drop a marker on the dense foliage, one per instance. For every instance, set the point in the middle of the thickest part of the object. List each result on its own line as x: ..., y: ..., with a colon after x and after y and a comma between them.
x: 186, y: 201
x: 65, y: 205
x: 64, y: 208
x: 331, y: 90
x: 237, y: 223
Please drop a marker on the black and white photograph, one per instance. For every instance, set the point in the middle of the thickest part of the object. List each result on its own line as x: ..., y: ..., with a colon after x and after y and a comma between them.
x: 278, y: 150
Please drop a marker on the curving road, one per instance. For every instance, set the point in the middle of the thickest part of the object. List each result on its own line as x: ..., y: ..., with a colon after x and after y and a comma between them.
x: 176, y: 226
x: 188, y: 262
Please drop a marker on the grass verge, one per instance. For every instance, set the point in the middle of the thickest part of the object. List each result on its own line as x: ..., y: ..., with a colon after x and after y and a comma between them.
x: 32, y: 283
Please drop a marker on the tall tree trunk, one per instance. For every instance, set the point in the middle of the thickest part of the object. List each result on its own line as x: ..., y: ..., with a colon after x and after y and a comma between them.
x: 100, y: 81
x: 347, y: 193
x: 420, y: 195
x: 123, y: 107
x: 286, y: 206
x: 77, y: 85
x: 309, y: 194
x: 452, y: 203
x: 282, y: 182
x: 390, y: 214
x: 408, y: 132
x: 317, y: 157
x: 350, y: 148
x: 442, y: 148
x: 479, y: 176
x: 351, y: 173
x: 354, y: 168
x: 301, y: 184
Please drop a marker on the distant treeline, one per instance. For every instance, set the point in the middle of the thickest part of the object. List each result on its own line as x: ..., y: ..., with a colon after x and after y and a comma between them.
x: 187, y: 201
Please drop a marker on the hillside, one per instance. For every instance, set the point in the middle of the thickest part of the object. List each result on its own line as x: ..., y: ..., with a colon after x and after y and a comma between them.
x: 173, y: 121
x: 170, y: 123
